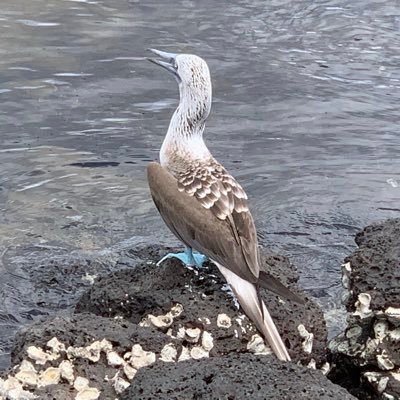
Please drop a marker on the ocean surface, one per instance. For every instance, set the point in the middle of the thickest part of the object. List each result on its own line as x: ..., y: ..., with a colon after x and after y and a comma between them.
x: 305, y: 115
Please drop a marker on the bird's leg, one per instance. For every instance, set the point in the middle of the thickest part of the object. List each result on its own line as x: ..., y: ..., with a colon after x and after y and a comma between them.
x: 188, y: 258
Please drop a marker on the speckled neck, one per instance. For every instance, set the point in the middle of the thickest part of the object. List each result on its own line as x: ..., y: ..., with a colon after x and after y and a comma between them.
x: 184, y: 139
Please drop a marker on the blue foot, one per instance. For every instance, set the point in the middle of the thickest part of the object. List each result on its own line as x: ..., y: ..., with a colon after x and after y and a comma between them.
x: 188, y: 258
x: 199, y: 259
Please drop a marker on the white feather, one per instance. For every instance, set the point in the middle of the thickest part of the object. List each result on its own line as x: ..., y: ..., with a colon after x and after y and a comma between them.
x: 185, y: 132
x: 256, y: 310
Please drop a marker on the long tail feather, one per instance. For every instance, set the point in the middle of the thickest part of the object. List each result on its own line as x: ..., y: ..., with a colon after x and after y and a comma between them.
x: 267, y: 281
x: 253, y: 306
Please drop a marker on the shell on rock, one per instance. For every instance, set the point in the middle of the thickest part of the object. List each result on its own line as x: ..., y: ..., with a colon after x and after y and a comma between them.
x: 51, y: 376
x: 114, y: 359
x: 207, y: 341
x: 12, y: 390
x: 56, y: 345
x: 40, y: 356
x: 168, y: 353
x: 377, y: 380
x: 185, y: 354
x: 204, y: 320
x: 308, y: 337
x: 176, y: 310
x: 181, y: 333
x: 224, y: 321
x: 162, y: 321
x: 312, y: 364
x: 362, y: 305
x: 106, y: 345
x: 393, y: 315
x: 257, y: 345
x: 120, y: 385
x: 9, y: 384
x: 27, y: 374
x: 325, y: 368
x: 192, y: 335
x: 27, y: 377
x: 27, y: 365
x: 395, y: 335
x: 129, y: 371
x: 140, y: 358
x: 380, y: 329
x: 81, y: 383
x: 384, y: 362
x: 88, y: 394
x: 91, y: 352
x: 67, y: 371
x: 197, y: 352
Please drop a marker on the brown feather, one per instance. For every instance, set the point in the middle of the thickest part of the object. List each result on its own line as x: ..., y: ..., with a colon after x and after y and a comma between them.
x: 184, y: 214
x: 235, y: 246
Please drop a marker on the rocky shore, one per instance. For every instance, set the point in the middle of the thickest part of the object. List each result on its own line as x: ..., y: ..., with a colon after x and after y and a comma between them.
x: 167, y: 332
x: 366, y: 356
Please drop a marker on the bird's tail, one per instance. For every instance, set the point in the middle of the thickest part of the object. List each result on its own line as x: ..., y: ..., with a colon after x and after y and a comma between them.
x: 253, y: 306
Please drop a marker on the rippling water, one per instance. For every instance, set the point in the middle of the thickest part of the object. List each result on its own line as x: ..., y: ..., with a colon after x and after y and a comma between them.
x: 305, y: 114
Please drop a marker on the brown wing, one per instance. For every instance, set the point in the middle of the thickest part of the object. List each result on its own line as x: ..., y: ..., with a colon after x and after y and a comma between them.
x: 235, y: 245
x: 219, y: 192
x: 231, y: 242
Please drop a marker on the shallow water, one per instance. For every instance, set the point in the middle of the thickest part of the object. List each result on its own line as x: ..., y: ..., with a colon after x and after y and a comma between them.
x: 305, y: 115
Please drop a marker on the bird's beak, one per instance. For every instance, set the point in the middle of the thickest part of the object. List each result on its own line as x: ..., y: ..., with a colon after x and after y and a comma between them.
x: 169, y: 64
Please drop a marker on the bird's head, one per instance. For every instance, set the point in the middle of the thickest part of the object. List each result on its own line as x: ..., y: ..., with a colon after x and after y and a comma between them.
x: 193, y: 77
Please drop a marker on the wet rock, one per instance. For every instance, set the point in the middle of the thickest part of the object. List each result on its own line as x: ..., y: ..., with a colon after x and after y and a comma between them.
x: 235, y: 376
x: 44, y: 278
x: 104, y: 354
x: 374, y: 266
x: 367, y: 354
x: 144, y: 314
x: 146, y: 295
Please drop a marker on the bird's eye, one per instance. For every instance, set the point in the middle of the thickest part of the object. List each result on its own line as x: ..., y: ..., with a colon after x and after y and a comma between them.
x: 175, y: 65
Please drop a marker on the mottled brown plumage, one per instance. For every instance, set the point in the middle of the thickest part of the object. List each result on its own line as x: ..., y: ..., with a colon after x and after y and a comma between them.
x: 195, y: 225
x: 216, y: 190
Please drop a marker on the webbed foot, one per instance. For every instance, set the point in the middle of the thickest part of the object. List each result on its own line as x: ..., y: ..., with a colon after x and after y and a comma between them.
x: 187, y: 257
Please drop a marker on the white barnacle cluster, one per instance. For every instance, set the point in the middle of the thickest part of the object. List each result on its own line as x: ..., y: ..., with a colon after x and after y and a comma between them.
x: 224, y: 321
x: 386, y: 330
x: 199, y: 342
x: 31, y: 373
x: 198, y: 345
x: 257, y: 345
x: 393, y: 315
x: 57, y: 363
x: 362, y: 306
x: 383, y: 332
x: 307, y: 346
x: 308, y: 337
x: 379, y: 380
x: 162, y: 322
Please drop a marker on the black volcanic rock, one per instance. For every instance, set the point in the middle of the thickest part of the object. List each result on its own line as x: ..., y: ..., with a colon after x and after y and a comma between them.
x: 375, y: 265
x: 79, y: 331
x: 170, y: 316
x: 367, y: 355
x: 149, y: 289
x: 233, y: 377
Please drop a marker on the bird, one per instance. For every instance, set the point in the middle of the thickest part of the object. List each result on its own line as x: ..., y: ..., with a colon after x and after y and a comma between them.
x: 203, y: 205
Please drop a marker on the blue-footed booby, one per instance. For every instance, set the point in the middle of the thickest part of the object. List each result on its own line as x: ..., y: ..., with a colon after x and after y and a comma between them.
x: 203, y: 205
